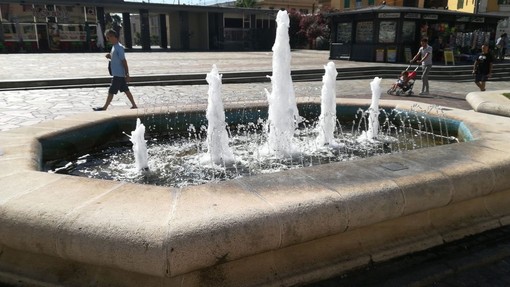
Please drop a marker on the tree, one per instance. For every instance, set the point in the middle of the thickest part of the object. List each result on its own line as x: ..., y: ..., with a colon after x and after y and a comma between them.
x: 246, y: 3
x: 297, y: 39
x: 314, y: 27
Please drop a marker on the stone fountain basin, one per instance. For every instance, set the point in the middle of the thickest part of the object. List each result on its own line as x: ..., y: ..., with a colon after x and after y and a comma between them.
x: 276, y: 229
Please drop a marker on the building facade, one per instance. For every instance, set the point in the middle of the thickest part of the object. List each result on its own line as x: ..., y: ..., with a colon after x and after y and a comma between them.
x: 392, y: 34
x: 349, y: 5
x: 40, y: 26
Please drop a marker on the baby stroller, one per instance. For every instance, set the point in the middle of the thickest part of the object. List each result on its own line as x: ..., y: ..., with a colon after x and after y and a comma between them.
x: 403, y: 89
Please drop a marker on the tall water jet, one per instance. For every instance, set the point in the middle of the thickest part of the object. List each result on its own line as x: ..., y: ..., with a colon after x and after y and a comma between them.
x: 373, y: 112
x: 327, y: 119
x: 139, y: 146
x: 218, y: 150
x: 283, y: 114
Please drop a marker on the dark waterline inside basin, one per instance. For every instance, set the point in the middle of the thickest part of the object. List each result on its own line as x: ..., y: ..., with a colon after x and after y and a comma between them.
x: 104, y: 151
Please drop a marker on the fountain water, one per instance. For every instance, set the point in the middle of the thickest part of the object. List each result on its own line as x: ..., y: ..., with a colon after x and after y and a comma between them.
x: 373, y: 119
x: 327, y: 119
x: 283, y: 113
x: 179, y: 161
x: 219, y: 152
x: 140, y: 146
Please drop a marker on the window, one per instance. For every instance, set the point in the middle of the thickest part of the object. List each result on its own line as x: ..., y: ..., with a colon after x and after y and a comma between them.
x: 504, y: 2
x: 233, y: 23
x: 387, y: 31
x: 460, y: 4
x: 371, y: 2
x: 408, y: 31
x: 347, y: 3
x: 364, y: 32
x: 344, y: 32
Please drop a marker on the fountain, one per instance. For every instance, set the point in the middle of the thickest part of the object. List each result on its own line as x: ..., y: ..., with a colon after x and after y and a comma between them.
x: 280, y: 229
x: 283, y: 113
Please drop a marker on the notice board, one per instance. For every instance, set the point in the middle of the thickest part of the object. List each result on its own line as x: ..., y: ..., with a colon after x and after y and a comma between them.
x: 379, y: 55
x: 408, y: 55
x: 391, y: 55
x: 448, y: 56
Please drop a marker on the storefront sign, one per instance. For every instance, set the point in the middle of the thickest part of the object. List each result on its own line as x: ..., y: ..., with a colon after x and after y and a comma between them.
x: 478, y: 20
x: 389, y: 15
x: 430, y: 17
x: 412, y: 16
x: 463, y: 19
x: 44, y: 13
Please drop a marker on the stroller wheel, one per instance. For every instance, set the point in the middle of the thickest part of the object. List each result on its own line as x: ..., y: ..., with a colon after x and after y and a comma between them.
x: 390, y: 91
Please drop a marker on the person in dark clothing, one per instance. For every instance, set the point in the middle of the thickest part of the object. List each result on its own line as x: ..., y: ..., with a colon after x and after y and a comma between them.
x: 482, y: 69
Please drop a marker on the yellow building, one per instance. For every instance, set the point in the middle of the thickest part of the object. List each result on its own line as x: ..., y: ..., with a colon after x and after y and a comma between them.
x: 480, y: 6
x: 349, y: 5
x: 496, y: 7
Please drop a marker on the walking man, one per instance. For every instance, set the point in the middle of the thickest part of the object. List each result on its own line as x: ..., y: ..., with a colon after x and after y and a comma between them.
x: 119, y: 71
x: 424, y: 56
x: 482, y: 69
x: 501, y: 44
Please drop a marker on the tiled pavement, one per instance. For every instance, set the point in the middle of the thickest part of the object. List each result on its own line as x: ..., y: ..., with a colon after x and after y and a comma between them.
x: 27, y: 107
x: 483, y: 260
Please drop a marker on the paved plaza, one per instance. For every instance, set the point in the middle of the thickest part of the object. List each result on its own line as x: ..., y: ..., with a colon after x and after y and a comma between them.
x: 28, y: 107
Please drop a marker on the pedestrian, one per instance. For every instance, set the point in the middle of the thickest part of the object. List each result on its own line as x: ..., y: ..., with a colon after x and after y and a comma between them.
x: 424, y: 56
x: 119, y: 71
x: 501, y: 44
x: 482, y: 69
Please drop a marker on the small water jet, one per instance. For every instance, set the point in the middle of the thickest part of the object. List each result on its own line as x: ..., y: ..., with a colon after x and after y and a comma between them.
x: 327, y: 119
x: 140, y: 146
x: 218, y: 151
x: 373, y: 111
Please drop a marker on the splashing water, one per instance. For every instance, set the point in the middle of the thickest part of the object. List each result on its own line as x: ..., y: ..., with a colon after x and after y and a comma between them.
x: 218, y: 151
x: 140, y: 146
x: 327, y: 119
x: 179, y: 161
x: 283, y: 114
x: 373, y: 119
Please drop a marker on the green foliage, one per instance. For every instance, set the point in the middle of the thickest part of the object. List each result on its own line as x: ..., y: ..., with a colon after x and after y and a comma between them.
x: 297, y: 39
x: 245, y: 3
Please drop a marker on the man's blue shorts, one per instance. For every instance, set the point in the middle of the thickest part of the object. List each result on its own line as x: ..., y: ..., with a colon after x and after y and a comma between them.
x: 118, y: 84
